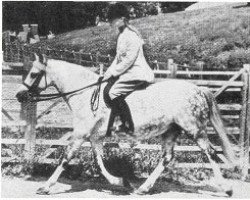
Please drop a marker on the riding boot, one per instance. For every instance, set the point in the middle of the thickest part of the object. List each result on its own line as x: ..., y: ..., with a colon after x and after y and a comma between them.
x: 111, y: 121
x: 125, y: 114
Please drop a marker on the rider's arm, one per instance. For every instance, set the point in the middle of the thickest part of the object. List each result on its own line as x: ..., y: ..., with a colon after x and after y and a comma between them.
x: 113, y: 64
x: 108, y: 73
x: 132, y: 50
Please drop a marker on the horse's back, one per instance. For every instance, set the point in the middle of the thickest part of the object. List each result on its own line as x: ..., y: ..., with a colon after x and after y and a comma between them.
x: 167, y: 90
x: 165, y: 101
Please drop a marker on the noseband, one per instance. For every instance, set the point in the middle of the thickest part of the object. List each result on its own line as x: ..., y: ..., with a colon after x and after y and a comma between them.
x: 38, y: 76
x: 36, y: 97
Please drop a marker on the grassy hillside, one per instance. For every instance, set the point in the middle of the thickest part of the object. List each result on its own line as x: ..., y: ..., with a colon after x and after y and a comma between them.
x: 219, y: 36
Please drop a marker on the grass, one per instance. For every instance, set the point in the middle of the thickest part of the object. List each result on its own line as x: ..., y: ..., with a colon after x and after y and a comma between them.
x: 219, y: 36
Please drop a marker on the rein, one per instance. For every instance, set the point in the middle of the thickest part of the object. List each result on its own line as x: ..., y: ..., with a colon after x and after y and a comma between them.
x: 46, y: 97
x: 94, y: 101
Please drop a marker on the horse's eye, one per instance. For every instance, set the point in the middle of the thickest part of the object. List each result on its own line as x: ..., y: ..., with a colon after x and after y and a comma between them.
x: 33, y: 75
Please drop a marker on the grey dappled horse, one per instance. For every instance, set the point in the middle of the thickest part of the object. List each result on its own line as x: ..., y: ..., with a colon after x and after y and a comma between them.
x: 162, y: 109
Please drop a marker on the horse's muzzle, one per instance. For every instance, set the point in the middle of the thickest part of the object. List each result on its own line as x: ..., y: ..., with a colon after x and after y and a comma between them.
x: 24, y: 96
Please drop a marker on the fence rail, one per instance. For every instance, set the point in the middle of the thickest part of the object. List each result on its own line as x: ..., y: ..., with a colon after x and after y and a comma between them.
x: 75, y: 162
x: 239, y: 82
x: 120, y: 144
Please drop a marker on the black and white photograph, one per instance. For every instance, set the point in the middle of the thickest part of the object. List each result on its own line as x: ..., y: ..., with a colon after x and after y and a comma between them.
x: 125, y: 99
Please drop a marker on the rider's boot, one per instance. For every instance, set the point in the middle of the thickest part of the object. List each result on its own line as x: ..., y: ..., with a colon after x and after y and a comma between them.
x: 125, y: 115
x: 111, y: 122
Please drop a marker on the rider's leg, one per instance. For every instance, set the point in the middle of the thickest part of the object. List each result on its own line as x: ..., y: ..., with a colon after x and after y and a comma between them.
x: 168, y: 141
x: 119, y: 104
x: 108, y: 103
x: 117, y: 94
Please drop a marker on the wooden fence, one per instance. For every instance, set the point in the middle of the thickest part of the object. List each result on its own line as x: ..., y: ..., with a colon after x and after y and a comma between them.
x: 226, y: 82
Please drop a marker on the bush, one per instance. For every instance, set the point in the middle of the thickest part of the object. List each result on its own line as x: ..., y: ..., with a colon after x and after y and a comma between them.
x: 218, y: 36
x: 168, y: 7
x: 238, y: 57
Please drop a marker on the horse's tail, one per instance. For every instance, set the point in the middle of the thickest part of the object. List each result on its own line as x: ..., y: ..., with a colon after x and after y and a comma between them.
x: 217, y: 123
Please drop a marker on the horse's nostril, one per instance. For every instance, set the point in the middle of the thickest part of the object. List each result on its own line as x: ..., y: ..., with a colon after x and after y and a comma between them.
x: 18, y: 95
x: 22, y: 96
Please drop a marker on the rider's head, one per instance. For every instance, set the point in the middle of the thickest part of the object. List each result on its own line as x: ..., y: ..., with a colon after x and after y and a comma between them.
x: 118, y: 15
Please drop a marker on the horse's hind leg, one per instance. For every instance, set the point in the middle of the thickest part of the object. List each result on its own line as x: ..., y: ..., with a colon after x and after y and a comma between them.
x: 77, y: 141
x: 168, y: 141
x: 205, y: 146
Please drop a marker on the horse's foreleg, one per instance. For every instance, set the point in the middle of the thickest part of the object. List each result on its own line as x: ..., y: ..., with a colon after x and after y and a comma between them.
x: 96, y: 139
x: 77, y: 141
x: 211, y: 154
x: 98, y: 150
x: 45, y: 189
x: 168, y: 141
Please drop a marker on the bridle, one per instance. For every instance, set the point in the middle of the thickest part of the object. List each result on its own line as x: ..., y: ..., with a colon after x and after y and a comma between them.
x: 36, y: 97
x: 38, y: 79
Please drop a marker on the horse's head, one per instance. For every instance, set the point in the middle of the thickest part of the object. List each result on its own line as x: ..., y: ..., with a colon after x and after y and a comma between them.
x: 36, y: 80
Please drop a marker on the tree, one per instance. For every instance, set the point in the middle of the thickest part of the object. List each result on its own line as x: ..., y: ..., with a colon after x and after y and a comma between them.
x: 168, y: 7
x: 51, y: 15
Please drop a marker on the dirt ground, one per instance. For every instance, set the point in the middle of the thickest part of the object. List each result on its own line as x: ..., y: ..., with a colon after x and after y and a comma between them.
x: 19, y: 187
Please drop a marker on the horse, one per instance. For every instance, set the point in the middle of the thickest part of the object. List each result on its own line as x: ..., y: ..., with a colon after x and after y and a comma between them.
x: 163, y: 109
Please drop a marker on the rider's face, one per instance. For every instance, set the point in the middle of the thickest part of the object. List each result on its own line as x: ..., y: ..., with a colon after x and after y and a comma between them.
x: 117, y: 23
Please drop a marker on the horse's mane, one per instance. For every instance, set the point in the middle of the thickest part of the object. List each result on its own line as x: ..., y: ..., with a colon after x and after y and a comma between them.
x: 72, y: 66
x: 63, y: 63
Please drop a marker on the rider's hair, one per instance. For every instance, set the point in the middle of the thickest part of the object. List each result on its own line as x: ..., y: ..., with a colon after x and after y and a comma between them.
x: 117, y: 11
x: 132, y: 28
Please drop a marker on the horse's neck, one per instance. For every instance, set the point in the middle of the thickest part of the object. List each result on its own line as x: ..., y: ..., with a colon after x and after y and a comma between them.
x: 68, y: 77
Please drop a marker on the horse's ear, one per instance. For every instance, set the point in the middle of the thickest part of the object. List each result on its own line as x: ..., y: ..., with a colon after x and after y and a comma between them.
x: 45, y: 59
x: 36, y: 57
x: 40, y: 58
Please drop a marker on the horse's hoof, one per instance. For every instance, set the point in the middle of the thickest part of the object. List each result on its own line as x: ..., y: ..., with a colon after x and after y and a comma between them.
x: 127, y: 184
x: 42, y: 191
x: 229, y: 193
x: 140, y: 192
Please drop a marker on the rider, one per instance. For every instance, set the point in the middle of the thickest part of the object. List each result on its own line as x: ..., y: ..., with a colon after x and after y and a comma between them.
x: 129, y: 70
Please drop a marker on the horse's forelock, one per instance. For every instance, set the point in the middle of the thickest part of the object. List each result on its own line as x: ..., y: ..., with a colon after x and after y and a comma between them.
x: 32, y: 57
x: 40, y: 56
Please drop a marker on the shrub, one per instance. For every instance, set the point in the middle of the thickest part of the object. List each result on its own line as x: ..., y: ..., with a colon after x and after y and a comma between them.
x: 202, y: 35
x: 238, y: 57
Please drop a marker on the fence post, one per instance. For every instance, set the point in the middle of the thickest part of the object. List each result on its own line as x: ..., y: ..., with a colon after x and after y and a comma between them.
x: 28, y: 113
x: 97, y: 59
x: 91, y: 58
x: 200, y: 65
x: 74, y: 57
x: 245, y: 121
x: 172, y: 67
x: 186, y: 67
x: 18, y: 52
x: 101, y: 69
x: 5, y: 52
x: 247, y: 67
x: 109, y: 58
x: 61, y: 54
x: 156, y: 64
